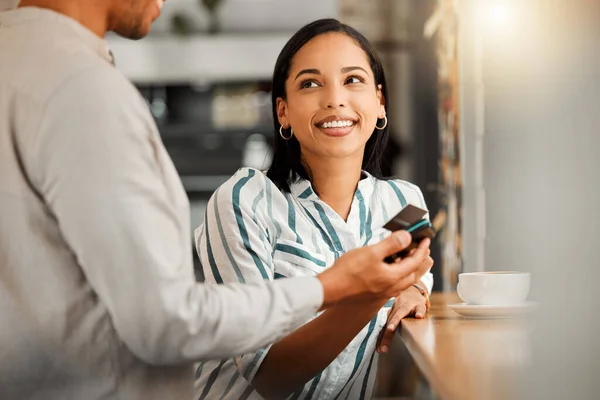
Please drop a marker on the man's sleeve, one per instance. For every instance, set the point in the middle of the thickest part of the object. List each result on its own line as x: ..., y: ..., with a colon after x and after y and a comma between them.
x: 96, y: 167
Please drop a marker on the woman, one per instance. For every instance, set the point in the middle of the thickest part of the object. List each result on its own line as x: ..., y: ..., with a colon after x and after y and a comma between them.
x: 321, y: 197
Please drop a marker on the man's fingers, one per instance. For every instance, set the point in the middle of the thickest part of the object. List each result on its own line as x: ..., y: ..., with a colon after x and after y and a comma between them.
x: 424, y: 243
x: 420, y: 254
x: 426, y: 265
x: 400, y: 284
x: 412, y: 263
x: 394, y: 243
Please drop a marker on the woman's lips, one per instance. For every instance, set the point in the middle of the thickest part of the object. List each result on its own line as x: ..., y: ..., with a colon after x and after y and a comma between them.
x: 336, y: 125
x: 336, y: 131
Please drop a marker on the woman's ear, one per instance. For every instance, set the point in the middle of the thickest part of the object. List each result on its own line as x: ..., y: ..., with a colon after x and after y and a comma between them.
x: 381, y: 99
x: 282, y: 114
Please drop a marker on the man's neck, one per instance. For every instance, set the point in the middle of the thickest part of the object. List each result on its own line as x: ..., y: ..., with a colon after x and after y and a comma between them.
x: 90, y: 14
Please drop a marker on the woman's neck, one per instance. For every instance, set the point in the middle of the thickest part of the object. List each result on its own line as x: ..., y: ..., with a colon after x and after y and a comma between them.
x: 335, y: 183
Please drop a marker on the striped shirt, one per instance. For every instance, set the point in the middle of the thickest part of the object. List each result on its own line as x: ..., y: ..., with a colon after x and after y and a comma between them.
x: 252, y: 231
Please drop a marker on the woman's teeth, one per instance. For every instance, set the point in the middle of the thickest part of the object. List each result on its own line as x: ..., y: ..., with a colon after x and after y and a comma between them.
x: 337, y: 124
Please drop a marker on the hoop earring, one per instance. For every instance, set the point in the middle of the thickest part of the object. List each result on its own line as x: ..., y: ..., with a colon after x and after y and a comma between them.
x: 283, y: 136
x: 384, y: 124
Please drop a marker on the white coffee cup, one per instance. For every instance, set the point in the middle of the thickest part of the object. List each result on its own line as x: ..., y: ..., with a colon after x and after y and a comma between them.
x: 494, y: 288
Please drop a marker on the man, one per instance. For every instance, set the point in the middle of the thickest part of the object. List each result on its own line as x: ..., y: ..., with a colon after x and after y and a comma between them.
x: 97, y: 293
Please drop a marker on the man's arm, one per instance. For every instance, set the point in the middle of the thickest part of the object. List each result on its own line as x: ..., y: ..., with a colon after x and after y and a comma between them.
x: 97, y: 167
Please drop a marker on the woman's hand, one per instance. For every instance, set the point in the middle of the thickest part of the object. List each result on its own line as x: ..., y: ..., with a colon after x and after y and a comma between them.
x: 410, y: 302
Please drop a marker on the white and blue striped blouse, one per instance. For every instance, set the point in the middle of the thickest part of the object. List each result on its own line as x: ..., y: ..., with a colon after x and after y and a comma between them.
x: 252, y: 232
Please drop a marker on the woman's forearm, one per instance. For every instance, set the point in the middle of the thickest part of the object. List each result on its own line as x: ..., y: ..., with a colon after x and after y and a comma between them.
x: 297, y: 358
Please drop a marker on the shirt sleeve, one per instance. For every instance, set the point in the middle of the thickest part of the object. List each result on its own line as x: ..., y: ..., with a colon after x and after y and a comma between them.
x: 233, y: 243
x: 97, y: 165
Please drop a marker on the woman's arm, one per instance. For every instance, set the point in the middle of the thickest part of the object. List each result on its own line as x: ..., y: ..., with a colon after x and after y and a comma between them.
x: 300, y: 356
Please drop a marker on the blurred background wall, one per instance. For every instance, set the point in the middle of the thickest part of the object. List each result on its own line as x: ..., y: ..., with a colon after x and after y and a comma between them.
x: 530, y: 80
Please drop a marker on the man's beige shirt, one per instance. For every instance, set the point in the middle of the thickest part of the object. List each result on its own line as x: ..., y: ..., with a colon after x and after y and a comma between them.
x: 97, y: 293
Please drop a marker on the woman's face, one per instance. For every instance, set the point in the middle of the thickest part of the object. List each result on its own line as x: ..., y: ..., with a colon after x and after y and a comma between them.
x: 332, y: 100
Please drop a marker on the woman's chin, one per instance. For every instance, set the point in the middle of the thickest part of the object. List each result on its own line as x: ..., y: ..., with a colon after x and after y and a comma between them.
x: 343, y: 151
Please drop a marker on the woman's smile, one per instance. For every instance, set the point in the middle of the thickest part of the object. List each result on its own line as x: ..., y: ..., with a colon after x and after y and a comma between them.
x: 336, y: 126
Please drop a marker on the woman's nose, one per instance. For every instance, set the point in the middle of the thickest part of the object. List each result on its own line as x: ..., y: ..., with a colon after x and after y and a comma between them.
x: 334, y: 98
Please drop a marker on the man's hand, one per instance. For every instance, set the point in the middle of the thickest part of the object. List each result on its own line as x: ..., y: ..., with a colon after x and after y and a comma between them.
x: 361, y: 274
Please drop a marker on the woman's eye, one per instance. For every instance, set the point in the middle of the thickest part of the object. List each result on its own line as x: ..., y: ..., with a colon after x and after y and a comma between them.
x: 354, y: 79
x: 308, y: 84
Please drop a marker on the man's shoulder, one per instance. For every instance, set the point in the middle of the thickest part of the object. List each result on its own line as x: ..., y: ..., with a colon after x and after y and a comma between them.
x: 39, y: 69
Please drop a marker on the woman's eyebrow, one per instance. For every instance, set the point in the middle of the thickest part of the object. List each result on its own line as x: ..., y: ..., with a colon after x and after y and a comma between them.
x: 345, y: 70
x: 308, y: 71
x: 314, y: 71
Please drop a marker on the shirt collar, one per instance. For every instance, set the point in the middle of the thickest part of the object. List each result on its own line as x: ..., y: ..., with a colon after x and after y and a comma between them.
x: 303, y: 190
x: 36, y: 16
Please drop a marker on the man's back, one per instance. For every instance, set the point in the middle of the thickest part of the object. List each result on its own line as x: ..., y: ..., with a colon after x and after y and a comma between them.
x: 59, y: 334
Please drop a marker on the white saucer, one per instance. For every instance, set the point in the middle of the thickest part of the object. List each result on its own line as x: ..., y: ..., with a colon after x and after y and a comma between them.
x: 476, y: 311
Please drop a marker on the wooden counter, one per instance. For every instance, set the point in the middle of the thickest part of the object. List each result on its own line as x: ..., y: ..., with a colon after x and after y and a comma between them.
x: 467, y: 359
